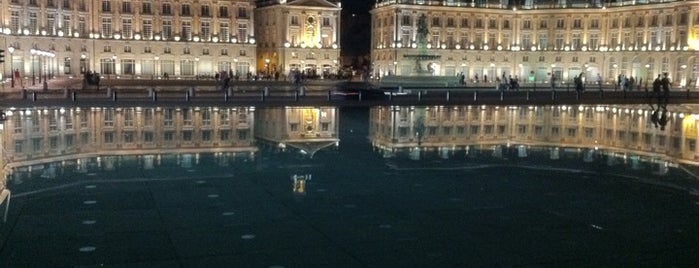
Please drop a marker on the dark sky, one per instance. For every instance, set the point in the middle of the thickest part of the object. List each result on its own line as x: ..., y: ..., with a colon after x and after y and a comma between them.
x: 356, y: 24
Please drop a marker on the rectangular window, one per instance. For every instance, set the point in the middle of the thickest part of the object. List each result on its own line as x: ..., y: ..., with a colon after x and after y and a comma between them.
x: 185, y: 10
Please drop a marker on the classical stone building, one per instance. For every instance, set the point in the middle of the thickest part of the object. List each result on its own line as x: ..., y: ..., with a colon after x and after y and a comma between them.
x: 301, y: 35
x: 534, y: 39
x: 623, y: 129
x: 136, y: 39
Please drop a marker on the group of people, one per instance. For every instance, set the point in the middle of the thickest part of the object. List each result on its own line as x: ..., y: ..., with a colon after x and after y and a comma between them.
x: 661, y: 94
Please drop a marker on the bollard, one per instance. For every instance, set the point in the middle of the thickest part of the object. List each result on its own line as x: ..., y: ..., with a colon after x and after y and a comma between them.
x: 114, y: 96
x: 186, y: 96
x: 73, y: 95
x: 155, y: 96
x: 475, y: 96
x: 448, y: 95
x: 33, y: 96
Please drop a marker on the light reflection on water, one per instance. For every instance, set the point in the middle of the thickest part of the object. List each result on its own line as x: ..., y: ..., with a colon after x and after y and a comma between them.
x: 45, y: 143
x: 438, y: 183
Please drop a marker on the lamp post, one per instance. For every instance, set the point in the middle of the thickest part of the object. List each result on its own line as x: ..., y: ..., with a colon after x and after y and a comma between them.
x: 12, y: 71
x: 114, y: 58
x: 155, y: 65
x: 33, y: 54
x: 267, y: 66
x: 196, y: 67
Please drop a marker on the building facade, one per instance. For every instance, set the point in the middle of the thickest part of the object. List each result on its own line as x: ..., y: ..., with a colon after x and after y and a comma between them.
x: 301, y: 35
x: 532, y: 41
x: 131, y: 39
x: 615, y: 128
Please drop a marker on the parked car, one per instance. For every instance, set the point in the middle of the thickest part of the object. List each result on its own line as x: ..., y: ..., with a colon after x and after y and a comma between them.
x: 355, y: 90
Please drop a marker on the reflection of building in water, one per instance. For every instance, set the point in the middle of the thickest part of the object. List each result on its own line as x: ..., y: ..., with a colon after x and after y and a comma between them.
x: 308, y: 129
x: 617, y: 128
x: 40, y: 135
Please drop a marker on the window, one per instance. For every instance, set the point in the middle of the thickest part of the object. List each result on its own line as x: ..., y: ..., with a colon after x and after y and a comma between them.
x: 205, y: 12
x: 242, y: 13
x: 223, y: 12
x: 294, y: 20
x: 147, y: 29
x: 106, y: 6
x: 436, y: 22
x: 125, y: 7
x: 406, y: 20
x: 146, y: 8
x: 560, y: 24
x: 185, y: 10
x: 167, y: 29
x: 167, y: 9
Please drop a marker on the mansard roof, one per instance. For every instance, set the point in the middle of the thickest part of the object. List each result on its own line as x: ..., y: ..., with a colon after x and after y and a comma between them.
x: 312, y: 3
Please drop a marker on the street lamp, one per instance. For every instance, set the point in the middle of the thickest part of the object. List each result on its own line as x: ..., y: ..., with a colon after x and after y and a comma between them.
x: 33, y: 54
x: 395, y: 68
x: 114, y: 57
x: 12, y: 72
x: 267, y: 65
x: 196, y: 67
x: 155, y: 67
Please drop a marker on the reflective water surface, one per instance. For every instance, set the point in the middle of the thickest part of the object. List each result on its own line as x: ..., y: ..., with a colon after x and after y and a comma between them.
x: 392, y: 186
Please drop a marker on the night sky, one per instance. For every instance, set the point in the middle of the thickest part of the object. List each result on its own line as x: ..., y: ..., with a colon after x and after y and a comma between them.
x: 356, y: 24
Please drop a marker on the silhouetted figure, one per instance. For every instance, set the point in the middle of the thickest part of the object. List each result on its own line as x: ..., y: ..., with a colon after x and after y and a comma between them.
x: 665, y: 84
x: 578, y: 83
x: 655, y: 117
x: 663, y: 119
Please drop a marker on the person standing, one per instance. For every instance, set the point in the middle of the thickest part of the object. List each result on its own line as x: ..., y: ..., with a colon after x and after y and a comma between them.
x: 665, y: 84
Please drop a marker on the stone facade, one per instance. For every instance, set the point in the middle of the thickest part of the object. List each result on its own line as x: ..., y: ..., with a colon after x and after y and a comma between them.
x: 532, y: 41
